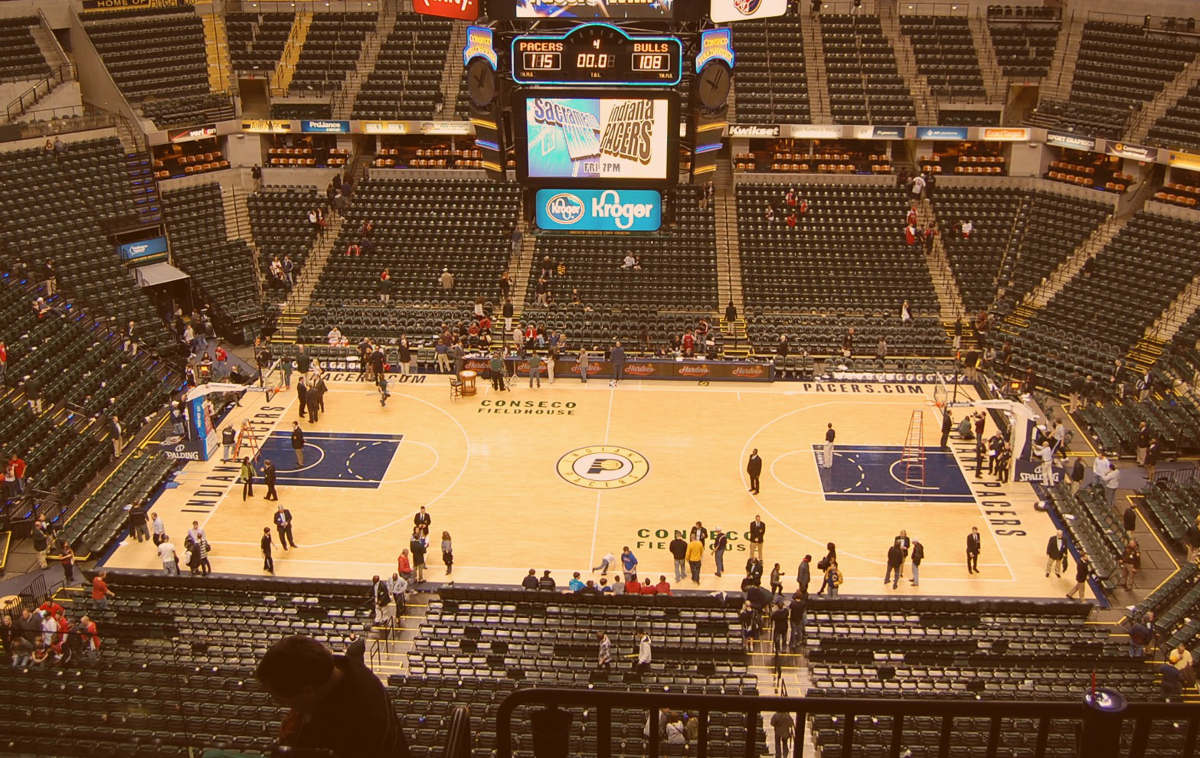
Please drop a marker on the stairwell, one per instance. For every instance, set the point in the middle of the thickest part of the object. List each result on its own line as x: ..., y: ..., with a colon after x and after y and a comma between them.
x: 281, y: 77
x: 1057, y: 84
x: 814, y: 68
x: 452, y: 71
x: 729, y: 262
x: 144, y: 188
x: 48, y: 45
x: 1066, y: 271
x: 1162, y: 102
x: 520, y: 264
x: 994, y: 83
x: 237, y: 215
x: 906, y: 64
x: 298, y: 299
x: 344, y: 104
x: 950, y: 303
x: 216, y: 51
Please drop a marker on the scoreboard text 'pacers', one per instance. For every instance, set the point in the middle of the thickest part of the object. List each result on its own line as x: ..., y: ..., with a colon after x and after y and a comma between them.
x: 597, y: 55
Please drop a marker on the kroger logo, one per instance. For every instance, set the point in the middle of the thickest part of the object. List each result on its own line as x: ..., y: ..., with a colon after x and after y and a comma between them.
x: 609, y: 205
x: 565, y: 208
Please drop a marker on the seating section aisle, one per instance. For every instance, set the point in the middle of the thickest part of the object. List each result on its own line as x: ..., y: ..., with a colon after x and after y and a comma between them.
x: 331, y: 49
x: 964, y: 649
x: 772, y: 86
x: 1179, y: 127
x: 407, y: 80
x: 58, y: 208
x: 549, y: 639
x: 20, y: 57
x: 1113, y: 425
x: 1174, y: 603
x: 1124, y: 288
x: 1018, y: 238
x: 104, y: 515
x: 945, y: 55
x: 1024, y: 47
x: 280, y: 226
x: 256, y: 40
x: 420, y: 228
x: 865, y: 86
x: 223, y: 270
x: 174, y: 92
x: 1120, y: 69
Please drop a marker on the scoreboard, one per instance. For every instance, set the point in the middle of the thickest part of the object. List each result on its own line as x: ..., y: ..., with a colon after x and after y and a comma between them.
x: 597, y: 55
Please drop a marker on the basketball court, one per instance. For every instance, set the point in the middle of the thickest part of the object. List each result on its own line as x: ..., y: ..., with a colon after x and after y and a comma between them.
x: 559, y: 476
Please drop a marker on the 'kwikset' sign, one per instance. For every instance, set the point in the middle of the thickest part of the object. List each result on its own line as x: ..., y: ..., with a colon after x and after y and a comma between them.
x: 465, y: 9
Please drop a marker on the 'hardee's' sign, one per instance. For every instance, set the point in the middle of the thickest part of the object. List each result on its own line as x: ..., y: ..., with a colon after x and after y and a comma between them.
x: 464, y: 9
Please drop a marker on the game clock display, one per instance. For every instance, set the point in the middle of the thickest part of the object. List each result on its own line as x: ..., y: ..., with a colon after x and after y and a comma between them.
x: 597, y: 55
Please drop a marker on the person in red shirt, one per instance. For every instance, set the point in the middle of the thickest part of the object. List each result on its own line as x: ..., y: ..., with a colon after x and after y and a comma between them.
x: 16, y: 474
x: 100, y: 591
x: 689, y: 345
x: 91, y: 640
x: 791, y: 220
x: 404, y: 566
x: 663, y: 587
x: 803, y: 206
x: 633, y: 587
x: 911, y: 218
x: 3, y: 363
x: 790, y: 197
x: 910, y: 234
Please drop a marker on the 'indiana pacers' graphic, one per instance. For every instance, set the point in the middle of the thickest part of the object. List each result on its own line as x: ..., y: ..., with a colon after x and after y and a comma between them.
x: 603, y: 467
x: 587, y: 137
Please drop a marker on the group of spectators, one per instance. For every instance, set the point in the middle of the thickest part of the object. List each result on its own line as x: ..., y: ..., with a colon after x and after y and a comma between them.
x: 45, y: 637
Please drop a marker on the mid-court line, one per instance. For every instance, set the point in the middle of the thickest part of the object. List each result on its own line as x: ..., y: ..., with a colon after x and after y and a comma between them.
x: 596, y: 521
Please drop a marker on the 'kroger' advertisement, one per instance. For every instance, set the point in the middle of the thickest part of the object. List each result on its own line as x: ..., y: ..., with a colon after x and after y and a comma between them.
x: 607, y: 210
x: 597, y: 138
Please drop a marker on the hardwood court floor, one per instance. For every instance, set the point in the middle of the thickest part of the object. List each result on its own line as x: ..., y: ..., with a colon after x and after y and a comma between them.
x: 645, y: 458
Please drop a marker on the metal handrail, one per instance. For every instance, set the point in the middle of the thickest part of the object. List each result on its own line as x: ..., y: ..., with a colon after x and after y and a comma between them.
x: 1098, y: 734
x: 27, y: 99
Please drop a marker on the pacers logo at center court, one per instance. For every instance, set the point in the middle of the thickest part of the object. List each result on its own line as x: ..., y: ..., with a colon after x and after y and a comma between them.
x: 603, y: 467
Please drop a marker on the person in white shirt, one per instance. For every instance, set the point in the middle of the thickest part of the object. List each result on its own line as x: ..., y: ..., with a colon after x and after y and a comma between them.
x: 1046, y: 453
x: 335, y: 336
x: 1101, y: 465
x: 159, y: 528
x: 918, y: 186
x: 166, y: 553
x: 604, y: 656
x: 629, y: 261
x: 967, y: 227
x: 605, y: 562
x: 644, y: 652
x: 195, y: 534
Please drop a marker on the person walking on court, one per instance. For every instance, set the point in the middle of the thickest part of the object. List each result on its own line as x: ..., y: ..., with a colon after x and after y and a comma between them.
x: 269, y: 480
x: 827, y: 458
x: 695, y: 553
x: 755, y: 537
x: 535, y: 369
x: 1082, y: 569
x: 947, y: 425
x: 583, y: 365
x: 298, y: 444
x: 302, y: 394
x: 754, y: 469
x: 447, y: 553
x: 166, y: 554
x: 895, y: 559
x: 823, y: 565
x: 678, y: 548
x: 417, y: 548
x: 618, y: 363
x: 804, y: 574
x: 247, y: 477
x: 283, y: 524
x: 973, y: 549
x: 833, y: 579
x: 1056, y: 553
x: 918, y: 555
x: 228, y: 437
x: 719, y: 546
x: 265, y: 545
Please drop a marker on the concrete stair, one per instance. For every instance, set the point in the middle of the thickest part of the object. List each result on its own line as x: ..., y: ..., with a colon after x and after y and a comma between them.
x: 344, y: 104
x: 281, y: 77
x: 452, y: 71
x: 296, y: 305
x: 906, y: 64
x: 520, y: 263
x: 950, y: 303
x: 1145, y: 353
x: 1067, y: 270
x: 237, y: 214
x: 993, y: 78
x: 1162, y: 102
x: 48, y: 45
x: 729, y: 259
x: 1057, y: 84
x: 216, y: 50
x: 814, y: 68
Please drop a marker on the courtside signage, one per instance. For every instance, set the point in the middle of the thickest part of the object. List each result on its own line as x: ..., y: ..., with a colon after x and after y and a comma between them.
x: 610, y: 210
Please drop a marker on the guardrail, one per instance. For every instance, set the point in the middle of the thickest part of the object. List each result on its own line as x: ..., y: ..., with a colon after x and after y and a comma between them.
x: 1099, y: 718
x: 29, y: 97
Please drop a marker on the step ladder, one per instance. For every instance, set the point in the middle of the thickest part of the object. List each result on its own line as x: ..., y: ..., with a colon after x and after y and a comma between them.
x: 912, y: 458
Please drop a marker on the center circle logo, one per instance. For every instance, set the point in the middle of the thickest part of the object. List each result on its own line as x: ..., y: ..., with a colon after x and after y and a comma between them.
x: 603, y: 467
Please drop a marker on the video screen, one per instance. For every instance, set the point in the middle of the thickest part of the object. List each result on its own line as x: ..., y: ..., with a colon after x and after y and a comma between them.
x: 598, y: 138
x: 594, y: 9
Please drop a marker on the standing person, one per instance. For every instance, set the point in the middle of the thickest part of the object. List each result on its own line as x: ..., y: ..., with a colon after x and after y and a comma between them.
x: 447, y: 552
x: 285, y: 366
x: 68, y: 562
x: 918, y: 555
x: 166, y: 554
x: 895, y: 559
x: 779, y: 627
x: 823, y: 565
x: 1056, y: 553
x: 804, y: 574
x: 100, y: 591
x: 784, y: 727
x: 1143, y: 442
x: 381, y: 385
x: 247, y: 477
x: 417, y: 548
x: 695, y: 553
x: 41, y: 542
x: 905, y: 543
x: 496, y: 369
x: 398, y: 588
x: 830, y: 435
x: 798, y: 613
x: 3, y: 364
x: 1130, y: 562
x: 754, y: 469
x: 678, y: 548
x: 833, y: 579
x: 1112, y: 481
x: 158, y: 528
x: 645, y: 654
x: 1046, y: 468
x: 973, y: 550
x: 777, y: 580
x: 535, y: 369
x: 1076, y: 475
x: 298, y: 443
x: 604, y: 653
x: 755, y: 536
x: 283, y: 524
x: 947, y: 425
x: 228, y: 438
x: 719, y: 546
x: 115, y: 431
x: 269, y: 480
x: 698, y: 533
x: 302, y: 395
x: 629, y: 563
x: 1152, y: 455
x: 1082, y: 569
x: 264, y: 544
x: 583, y: 365
x: 421, y: 521
x: 618, y: 363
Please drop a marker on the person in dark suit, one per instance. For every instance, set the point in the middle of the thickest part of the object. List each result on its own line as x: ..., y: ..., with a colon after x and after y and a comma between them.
x: 269, y: 480
x: 422, y: 520
x: 973, y: 547
x: 1056, y: 552
x: 947, y: 425
x: 754, y: 469
x: 265, y: 544
x: 298, y: 443
x: 302, y: 395
x: 283, y: 524
x: 895, y: 559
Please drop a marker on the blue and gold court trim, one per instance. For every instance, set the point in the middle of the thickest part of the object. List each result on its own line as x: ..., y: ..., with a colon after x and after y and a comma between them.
x: 332, y: 459
x: 875, y: 473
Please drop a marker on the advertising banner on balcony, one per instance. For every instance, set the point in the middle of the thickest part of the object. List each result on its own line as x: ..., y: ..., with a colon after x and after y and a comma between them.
x: 468, y: 10
x: 1073, y: 141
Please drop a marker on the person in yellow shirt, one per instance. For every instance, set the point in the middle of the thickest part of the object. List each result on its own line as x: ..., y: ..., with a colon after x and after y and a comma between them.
x: 695, y: 552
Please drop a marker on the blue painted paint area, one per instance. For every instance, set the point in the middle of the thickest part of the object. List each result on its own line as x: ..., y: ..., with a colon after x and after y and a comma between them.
x: 874, y: 473
x: 333, y: 459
